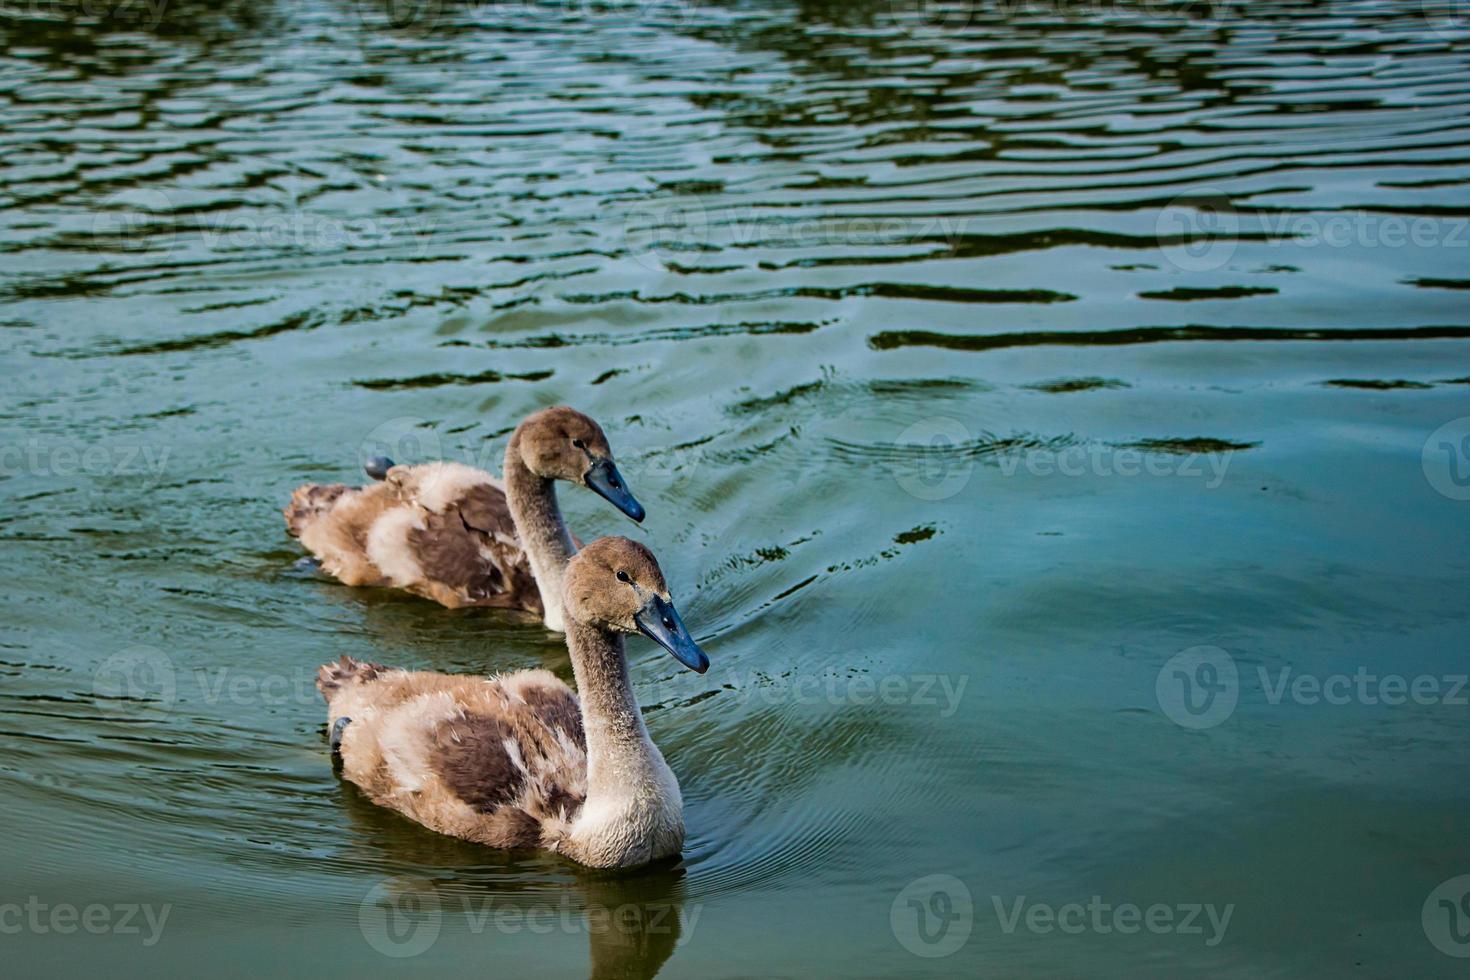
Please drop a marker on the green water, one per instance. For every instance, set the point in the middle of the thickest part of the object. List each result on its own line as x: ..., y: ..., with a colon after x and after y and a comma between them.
x: 1052, y: 420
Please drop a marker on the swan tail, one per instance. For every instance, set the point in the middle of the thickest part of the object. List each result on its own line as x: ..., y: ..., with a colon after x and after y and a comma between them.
x: 332, y: 678
x: 310, y: 502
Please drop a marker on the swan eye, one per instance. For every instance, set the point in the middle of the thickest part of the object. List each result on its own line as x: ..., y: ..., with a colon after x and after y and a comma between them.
x: 579, y: 444
x: 623, y: 577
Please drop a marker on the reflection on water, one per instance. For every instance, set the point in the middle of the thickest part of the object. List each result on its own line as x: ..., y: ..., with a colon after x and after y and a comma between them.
x: 631, y: 922
x: 975, y: 360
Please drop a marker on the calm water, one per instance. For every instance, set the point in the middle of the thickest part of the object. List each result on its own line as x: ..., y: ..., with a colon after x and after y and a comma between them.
x: 1038, y: 407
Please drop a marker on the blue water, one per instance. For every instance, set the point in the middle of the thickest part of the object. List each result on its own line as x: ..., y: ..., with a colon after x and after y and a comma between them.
x: 1054, y: 421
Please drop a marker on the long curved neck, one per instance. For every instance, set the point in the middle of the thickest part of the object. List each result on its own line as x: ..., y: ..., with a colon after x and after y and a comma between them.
x: 621, y: 759
x: 633, y: 812
x: 544, y: 534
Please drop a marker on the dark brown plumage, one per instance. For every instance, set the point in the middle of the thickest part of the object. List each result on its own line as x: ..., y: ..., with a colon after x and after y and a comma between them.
x: 518, y: 760
x: 449, y: 532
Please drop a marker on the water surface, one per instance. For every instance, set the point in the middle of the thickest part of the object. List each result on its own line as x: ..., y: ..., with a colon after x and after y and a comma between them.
x: 973, y: 363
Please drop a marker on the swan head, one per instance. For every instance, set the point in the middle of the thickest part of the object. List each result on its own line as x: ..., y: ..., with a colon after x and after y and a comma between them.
x: 616, y: 584
x: 561, y: 443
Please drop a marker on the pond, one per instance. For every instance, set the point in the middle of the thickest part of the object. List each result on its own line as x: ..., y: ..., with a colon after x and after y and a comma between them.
x: 1053, y: 419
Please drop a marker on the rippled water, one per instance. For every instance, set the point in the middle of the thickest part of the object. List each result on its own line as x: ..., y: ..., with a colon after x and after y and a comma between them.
x: 973, y: 363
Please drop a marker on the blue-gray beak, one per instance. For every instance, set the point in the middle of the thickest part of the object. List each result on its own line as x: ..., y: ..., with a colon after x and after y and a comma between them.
x: 605, y: 480
x: 659, y: 621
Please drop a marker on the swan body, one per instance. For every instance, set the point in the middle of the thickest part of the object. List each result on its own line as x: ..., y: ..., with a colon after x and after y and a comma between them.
x: 519, y: 760
x: 439, y: 530
x: 458, y: 535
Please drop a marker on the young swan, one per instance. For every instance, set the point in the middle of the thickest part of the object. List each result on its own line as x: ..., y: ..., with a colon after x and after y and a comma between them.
x: 516, y: 760
x: 456, y: 534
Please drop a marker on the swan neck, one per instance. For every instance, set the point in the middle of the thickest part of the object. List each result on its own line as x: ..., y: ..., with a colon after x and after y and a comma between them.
x: 618, y: 746
x: 543, y: 532
x: 633, y: 812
